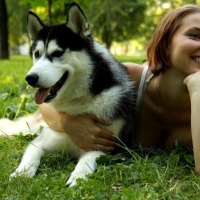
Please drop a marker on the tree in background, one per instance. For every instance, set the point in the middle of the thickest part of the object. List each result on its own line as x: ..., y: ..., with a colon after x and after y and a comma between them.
x: 113, y: 20
x: 17, y: 24
x: 110, y: 20
x: 4, y: 47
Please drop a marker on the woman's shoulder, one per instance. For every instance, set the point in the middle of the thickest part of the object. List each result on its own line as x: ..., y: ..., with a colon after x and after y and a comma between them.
x: 135, y: 71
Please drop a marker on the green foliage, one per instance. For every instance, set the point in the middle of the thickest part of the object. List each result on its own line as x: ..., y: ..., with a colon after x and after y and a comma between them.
x: 155, y: 12
x: 17, y: 24
x: 110, y: 20
x: 116, y: 20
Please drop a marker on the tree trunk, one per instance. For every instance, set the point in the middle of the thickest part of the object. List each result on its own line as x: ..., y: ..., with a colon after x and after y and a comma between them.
x: 4, y: 47
x: 107, y: 39
x: 50, y: 11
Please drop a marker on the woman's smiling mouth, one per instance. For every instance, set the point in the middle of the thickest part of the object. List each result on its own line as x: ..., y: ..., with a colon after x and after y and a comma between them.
x: 196, y: 59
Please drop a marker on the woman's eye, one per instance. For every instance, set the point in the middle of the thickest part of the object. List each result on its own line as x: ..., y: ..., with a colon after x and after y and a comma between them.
x: 36, y: 54
x: 57, y: 54
x: 195, y: 36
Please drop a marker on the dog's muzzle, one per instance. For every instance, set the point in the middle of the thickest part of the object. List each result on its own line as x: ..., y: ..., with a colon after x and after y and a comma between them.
x: 45, y: 94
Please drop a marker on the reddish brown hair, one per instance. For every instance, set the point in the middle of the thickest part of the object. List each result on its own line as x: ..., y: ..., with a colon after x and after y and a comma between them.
x: 158, y: 49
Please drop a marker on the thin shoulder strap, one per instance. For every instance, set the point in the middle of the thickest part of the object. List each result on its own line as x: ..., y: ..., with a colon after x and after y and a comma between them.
x: 142, y: 86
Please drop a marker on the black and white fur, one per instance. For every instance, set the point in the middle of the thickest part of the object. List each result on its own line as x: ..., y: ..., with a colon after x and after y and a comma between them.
x: 95, y: 83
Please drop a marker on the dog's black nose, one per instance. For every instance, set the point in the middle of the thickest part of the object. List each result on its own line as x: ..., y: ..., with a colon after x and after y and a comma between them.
x: 32, y: 79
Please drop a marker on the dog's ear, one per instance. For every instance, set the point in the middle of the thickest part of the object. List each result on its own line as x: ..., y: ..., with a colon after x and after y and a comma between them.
x: 34, y: 25
x: 77, y: 21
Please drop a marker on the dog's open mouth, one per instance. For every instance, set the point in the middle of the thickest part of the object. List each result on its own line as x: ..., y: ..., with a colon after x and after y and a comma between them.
x: 47, y: 94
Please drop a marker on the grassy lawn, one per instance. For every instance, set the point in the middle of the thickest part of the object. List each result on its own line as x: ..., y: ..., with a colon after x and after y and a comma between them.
x: 152, y: 174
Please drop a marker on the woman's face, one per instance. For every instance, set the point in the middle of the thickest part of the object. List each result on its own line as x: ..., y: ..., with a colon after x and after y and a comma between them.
x: 184, y: 48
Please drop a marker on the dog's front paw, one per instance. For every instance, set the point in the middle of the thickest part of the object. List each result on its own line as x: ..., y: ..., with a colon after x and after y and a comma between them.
x: 72, y: 181
x: 29, y: 173
x: 76, y: 174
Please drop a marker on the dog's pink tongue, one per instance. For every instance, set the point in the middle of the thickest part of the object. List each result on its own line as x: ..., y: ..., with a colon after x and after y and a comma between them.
x: 41, y: 95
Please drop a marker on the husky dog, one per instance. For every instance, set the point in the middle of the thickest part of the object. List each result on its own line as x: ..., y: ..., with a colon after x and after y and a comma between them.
x: 77, y: 75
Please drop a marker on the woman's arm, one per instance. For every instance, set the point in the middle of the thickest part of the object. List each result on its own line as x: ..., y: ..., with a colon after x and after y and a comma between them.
x: 84, y: 130
x: 193, y: 84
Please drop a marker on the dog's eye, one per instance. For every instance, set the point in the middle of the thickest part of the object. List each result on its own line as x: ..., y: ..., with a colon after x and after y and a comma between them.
x: 37, y: 54
x: 57, y: 54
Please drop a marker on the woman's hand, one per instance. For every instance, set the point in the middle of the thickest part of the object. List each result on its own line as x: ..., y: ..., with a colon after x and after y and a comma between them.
x: 85, y: 131
x: 193, y: 85
x: 193, y: 82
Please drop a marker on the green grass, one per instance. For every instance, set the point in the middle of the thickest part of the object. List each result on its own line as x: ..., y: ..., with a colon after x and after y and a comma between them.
x: 15, y: 97
x: 140, y: 59
x: 152, y: 174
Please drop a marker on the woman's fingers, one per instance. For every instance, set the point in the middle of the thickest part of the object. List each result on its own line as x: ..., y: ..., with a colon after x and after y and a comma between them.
x: 105, y: 134
x: 103, y: 141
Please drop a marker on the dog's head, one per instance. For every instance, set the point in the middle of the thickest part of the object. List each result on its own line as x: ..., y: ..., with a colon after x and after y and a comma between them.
x: 57, y: 51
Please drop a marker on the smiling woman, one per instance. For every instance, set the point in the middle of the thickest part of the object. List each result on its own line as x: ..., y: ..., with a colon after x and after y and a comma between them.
x: 185, y: 45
